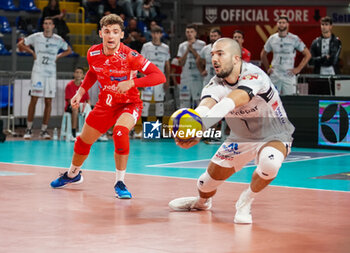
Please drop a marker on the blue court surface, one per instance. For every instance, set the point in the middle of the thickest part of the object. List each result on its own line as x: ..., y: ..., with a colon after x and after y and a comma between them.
x: 305, y: 168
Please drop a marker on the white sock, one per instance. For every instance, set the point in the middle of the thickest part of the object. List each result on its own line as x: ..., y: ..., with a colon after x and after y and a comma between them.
x: 43, y: 127
x: 250, y: 193
x: 29, y: 125
x: 73, y: 170
x: 119, y: 175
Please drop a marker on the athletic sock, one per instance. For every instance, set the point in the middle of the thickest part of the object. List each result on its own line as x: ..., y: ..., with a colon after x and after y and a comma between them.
x: 43, y: 127
x: 250, y: 193
x: 119, y: 175
x: 74, y: 132
x: 73, y: 171
x: 29, y: 125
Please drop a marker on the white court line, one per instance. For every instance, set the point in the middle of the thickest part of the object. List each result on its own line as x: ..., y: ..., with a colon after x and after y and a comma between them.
x: 171, y: 177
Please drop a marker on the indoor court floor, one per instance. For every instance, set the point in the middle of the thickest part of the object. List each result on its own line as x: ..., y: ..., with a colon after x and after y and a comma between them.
x: 305, y: 209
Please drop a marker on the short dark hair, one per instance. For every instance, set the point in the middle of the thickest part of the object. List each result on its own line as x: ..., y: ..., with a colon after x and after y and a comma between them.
x: 283, y: 17
x: 49, y: 18
x: 79, y: 68
x: 215, y: 30
x: 156, y: 29
x: 327, y: 19
x: 240, y: 32
x: 192, y: 26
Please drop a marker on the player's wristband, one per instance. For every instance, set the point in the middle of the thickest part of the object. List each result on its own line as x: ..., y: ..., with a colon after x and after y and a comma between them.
x: 218, y: 111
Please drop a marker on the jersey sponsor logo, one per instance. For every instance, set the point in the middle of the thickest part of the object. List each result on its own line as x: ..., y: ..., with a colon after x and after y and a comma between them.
x: 107, y: 63
x: 119, y: 72
x: 133, y: 53
x: 97, y: 69
x: 274, y: 105
x: 118, y: 78
x: 93, y: 53
x: 250, y: 77
x: 109, y: 99
x: 122, y: 55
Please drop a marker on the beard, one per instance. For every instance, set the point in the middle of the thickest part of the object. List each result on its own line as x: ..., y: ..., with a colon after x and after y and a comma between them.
x: 225, y: 73
x: 282, y: 29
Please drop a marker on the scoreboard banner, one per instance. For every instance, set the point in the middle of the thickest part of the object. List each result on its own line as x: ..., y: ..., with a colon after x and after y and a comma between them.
x: 302, y: 15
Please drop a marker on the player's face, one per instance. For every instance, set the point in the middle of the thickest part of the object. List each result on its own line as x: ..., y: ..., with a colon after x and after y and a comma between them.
x: 78, y: 74
x: 326, y: 28
x: 239, y: 38
x: 190, y: 33
x: 214, y: 36
x: 222, y: 60
x: 282, y: 25
x: 111, y: 36
x: 156, y: 36
x: 48, y: 26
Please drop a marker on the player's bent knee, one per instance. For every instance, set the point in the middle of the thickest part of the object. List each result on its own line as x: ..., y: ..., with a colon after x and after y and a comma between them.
x: 121, y: 140
x: 206, y: 183
x: 81, y: 148
x: 270, y: 161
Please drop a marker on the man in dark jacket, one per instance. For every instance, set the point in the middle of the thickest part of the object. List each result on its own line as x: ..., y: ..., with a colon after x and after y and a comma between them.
x: 325, y: 50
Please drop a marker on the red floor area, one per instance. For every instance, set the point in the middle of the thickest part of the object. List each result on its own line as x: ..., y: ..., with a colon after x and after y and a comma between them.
x: 88, y: 218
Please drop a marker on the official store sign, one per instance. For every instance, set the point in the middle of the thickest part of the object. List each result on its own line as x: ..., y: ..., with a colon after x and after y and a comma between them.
x: 253, y: 15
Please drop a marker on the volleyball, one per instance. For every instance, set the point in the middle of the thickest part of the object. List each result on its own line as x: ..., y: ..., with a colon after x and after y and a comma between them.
x: 185, y: 124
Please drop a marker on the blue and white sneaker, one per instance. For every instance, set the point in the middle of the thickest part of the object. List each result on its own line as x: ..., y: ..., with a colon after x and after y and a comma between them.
x: 63, y: 180
x: 121, y: 191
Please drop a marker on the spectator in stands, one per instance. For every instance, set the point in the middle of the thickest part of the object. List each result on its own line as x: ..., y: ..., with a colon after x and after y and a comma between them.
x: 284, y: 44
x: 238, y: 36
x: 175, y: 74
x: 191, y: 79
x: 131, y: 7
x: 110, y: 6
x: 204, y: 61
x: 148, y: 36
x: 46, y: 46
x: 53, y: 10
x: 70, y: 90
x: 148, y: 11
x: 158, y: 53
x: 133, y: 36
x: 94, y: 10
x: 325, y: 50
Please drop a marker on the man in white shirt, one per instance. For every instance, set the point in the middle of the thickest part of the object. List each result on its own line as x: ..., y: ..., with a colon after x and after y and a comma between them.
x: 243, y: 94
x: 284, y: 44
x: 158, y: 53
x: 46, y: 45
x: 191, y: 79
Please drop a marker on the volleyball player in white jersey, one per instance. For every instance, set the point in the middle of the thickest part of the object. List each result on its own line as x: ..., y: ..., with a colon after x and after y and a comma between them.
x: 243, y: 94
x: 46, y: 45
x: 204, y: 62
x: 158, y: 53
x: 191, y: 79
x: 284, y: 44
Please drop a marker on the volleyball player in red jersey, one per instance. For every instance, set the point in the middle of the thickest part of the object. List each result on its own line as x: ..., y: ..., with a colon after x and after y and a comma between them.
x: 115, y: 66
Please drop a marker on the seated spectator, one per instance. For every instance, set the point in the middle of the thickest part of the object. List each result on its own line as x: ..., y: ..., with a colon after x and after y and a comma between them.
x: 133, y: 36
x: 94, y: 10
x: 70, y: 91
x: 53, y: 10
x: 149, y: 11
x: 148, y: 36
x: 110, y: 6
x: 131, y: 7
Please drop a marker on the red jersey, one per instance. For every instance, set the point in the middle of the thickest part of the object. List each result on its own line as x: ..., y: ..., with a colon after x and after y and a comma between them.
x: 71, y: 90
x: 245, y: 55
x: 109, y: 70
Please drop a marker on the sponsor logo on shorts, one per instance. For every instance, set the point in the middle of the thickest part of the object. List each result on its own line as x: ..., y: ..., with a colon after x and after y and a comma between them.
x: 109, y: 99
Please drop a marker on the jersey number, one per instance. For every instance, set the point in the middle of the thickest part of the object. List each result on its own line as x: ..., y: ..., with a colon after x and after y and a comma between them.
x: 45, y: 60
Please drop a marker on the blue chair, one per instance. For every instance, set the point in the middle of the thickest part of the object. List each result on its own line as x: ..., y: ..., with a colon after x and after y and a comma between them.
x: 8, y: 5
x: 28, y: 5
x: 4, y: 96
x: 5, y: 25
x: 3, y: 50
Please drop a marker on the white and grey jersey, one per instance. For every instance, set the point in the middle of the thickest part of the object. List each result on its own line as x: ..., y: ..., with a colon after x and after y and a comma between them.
x: 263, y: 116
x: 205, y: 54
x: 284, y: 50
x: 190, y: 70
x: 158, y: 55
x: 46, y: 50
x: 326, y: 70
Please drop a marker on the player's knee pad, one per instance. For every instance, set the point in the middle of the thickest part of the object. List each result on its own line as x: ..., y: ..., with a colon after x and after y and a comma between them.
x: 206, y: 183
x: 81, y: 148
x: 121, y: 140
x: 270, y: 161
x: 145, y: 109
x: 159, y: 109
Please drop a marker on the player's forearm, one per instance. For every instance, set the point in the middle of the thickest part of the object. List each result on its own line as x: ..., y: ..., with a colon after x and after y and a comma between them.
x: 264, y: 60
x: 153, y: 76
x: 65, y: 53
x: 305, y: 60
x: 89, y: 80
x: 182, y: 60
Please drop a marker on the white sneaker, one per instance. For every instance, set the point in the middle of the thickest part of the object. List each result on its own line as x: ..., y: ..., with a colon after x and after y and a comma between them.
x: 28, y: 134
x: 103, y: 137
x: 189, y: 203
x: 243, y: 206
x: 45, y: 135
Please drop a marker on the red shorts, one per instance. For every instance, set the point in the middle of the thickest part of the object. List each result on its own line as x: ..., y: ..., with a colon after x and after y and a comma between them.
x: 103, y: 117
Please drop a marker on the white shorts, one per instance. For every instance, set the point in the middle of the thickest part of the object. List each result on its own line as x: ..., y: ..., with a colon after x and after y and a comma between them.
x: 191, y: 89
x: 286, y: 85
x: 156, y: 91
x: 238, y: 154
x: 43, y: 86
